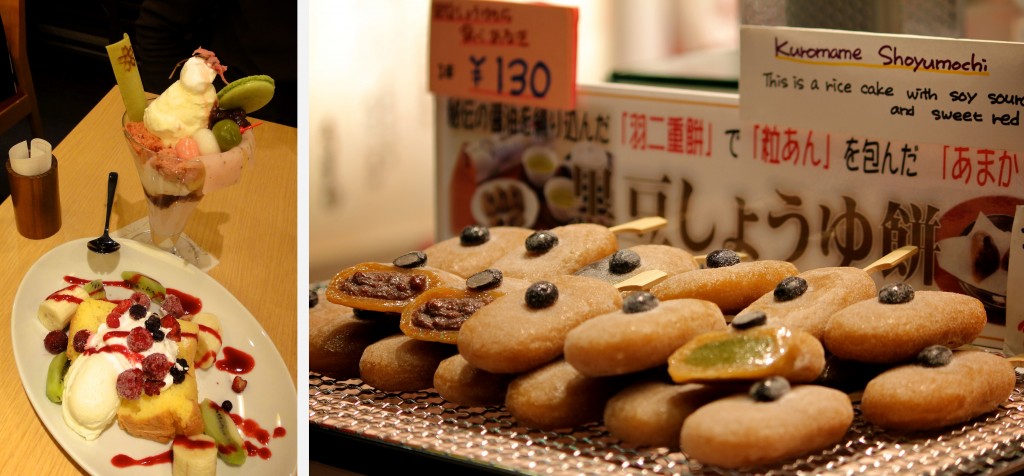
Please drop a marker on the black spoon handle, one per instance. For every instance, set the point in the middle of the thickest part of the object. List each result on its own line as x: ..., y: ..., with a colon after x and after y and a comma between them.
x: 111, y: 187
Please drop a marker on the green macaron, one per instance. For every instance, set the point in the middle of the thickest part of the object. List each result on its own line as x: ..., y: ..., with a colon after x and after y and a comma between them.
x: 249, y: 93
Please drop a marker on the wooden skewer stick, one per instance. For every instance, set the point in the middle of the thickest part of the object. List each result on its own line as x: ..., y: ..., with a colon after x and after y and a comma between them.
x: 703, y: 259
x: 893, y: 259
x: 642, y: 281
x: 640, y: 225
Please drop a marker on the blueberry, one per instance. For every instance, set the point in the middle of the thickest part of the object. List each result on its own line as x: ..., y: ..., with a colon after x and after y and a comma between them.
x: 486, y: 279
x: 473, y: 235
x: 541, y: 294
x: 152, y: 323
x: 769, y: 389
x: 158, y: 335
x: 227, y: 405
x: 177, y: 374
x: 624, y: 261
x: 137, y: 311
x: 183, y: 364
x: 541, y: 242
x: 412, y: 259
x: 935, y: 356
x: 722, y: 258
x: 749, y: 319
x: 896, y: 293
x: 639, y: 301
x: 790, y: 288
x: 313, y: 299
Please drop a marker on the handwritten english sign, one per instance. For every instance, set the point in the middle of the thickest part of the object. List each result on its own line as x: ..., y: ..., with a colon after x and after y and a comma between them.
x: 508, y: 52
x: 919, y: 89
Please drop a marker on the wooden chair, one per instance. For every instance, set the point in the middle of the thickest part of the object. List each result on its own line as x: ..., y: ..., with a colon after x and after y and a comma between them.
x: 23, y: 104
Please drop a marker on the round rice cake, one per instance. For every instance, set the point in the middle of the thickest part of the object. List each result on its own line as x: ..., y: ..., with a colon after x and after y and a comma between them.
x: 457, y: 381
x: 557, y: 396
x: 399, y: 363
x: 875, y: 332
x: 578, y: 245
x: 732, y: 288
x: 740, y: 432
x: 623, y: 342
x: 828, y: 290
x: 465, y: 256
x: 651, y: 413
x: 337, y: 338
x: 508, y: 336
x: 915, y: 397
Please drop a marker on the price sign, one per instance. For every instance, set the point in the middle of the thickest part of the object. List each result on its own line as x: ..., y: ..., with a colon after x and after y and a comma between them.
x: 505, y: 52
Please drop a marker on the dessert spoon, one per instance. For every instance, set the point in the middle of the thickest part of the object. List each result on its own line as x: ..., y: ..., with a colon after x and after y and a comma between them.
x: 105, y: 244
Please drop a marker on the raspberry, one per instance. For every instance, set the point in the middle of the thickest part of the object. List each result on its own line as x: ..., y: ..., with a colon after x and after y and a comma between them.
x: 129, y: 384
x: 172, y: 306
x: 174, y: 329
x: 152, y: 387
x: 139, y: 340
x: 113, y: 321
x: 122, y: 306
x: 156, y: 366
x: 238, y: 384
x: 55, y: 342
x: 137, y: 311
x: 80, y: 340
x: 140, y: 298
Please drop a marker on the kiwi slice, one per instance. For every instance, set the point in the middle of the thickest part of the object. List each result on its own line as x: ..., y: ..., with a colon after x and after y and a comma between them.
x: 55, y: 377
x: 95, y: 289
x: 249, y: 93
x: 218, y: 425
x: 145, y: 284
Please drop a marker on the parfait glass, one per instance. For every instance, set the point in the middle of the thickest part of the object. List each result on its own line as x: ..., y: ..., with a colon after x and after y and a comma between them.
x: 174, y: 186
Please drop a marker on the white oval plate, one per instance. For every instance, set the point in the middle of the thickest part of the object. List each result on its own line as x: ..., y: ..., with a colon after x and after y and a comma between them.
x: 269, y: 398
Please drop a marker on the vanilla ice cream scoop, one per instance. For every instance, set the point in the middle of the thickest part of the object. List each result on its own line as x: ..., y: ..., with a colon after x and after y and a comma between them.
x: 90, y: 393
x: 186, y: 104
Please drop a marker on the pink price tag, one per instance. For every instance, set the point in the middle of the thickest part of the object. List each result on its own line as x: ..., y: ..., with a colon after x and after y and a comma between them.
x: 506, y: 52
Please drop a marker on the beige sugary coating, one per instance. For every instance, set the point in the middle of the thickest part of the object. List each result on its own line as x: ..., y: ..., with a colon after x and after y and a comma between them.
x: 507, y: 336
x: 452, y: 256
x: 457, y: 381
x: 870, y: 331
x: 557, y: 396
x: 669, y: 259
x: 337, y: 338
x: 738, y: 432
x: 730, y: 287
x: 578, y: 245
x: 828, y: 290
x: 619, y: 343
x: 399, y: 363
x: 912, y: 397
x: 651, y: 413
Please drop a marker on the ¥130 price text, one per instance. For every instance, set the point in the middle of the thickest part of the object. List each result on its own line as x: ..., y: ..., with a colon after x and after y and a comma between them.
x: 509, y: 76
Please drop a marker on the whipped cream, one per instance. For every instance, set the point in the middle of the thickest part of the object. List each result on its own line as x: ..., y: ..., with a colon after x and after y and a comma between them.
x: 184, y: 107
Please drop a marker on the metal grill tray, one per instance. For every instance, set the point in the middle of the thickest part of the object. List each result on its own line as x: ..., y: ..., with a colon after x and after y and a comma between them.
x: 489, y: 439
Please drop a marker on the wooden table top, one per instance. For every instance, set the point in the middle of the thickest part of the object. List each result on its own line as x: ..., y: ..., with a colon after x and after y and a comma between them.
x: 249, y: 227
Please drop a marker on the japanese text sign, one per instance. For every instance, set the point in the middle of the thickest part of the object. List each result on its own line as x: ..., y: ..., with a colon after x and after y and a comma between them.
x: 918, y: 89
x: 508, y: 52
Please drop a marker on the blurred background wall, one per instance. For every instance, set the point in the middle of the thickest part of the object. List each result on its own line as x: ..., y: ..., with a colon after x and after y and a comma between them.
x: 371, y: 137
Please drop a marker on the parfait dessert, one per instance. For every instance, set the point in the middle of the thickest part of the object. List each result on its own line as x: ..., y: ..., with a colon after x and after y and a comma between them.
x: 190, y: 140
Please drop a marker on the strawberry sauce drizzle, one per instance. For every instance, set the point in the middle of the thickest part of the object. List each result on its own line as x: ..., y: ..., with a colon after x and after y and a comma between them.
x: 235, y: 361
x: 125, y: 461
